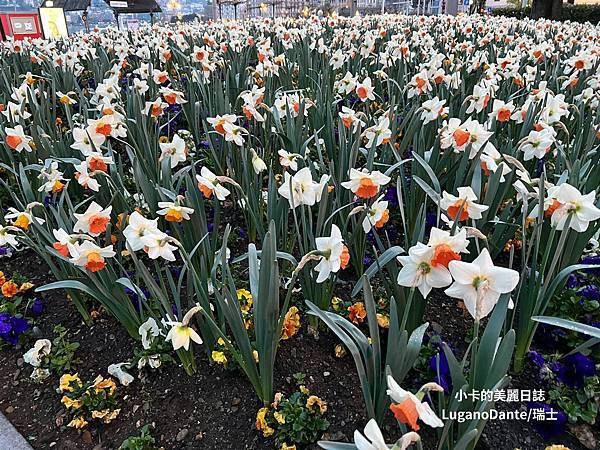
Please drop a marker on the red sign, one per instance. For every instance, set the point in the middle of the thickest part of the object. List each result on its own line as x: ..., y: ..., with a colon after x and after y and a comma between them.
x: 21, y: 25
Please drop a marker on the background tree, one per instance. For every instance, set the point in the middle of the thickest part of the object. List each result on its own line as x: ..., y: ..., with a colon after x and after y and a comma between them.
x: 548, y: 9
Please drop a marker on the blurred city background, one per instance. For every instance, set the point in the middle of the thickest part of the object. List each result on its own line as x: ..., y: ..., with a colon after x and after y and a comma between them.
x: 100, y: 14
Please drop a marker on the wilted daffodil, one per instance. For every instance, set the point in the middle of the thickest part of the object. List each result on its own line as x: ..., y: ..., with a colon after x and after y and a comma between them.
x: 148, y: 331
x: 36, y: 354
x: 116, y: 370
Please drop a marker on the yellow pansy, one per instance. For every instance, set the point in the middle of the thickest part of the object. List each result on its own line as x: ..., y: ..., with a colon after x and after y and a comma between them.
x: 219, y: 357
x: 70, y: 403
x: 78, y: 422
x: 66, y: 380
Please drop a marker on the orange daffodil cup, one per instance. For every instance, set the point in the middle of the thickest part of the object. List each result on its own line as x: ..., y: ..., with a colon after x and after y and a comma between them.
x: 463, y: 206
x: 409, y: 408
x: 333, y: 254
x: 91, y: 256
x: 426, y: 266
x: 365, y: 184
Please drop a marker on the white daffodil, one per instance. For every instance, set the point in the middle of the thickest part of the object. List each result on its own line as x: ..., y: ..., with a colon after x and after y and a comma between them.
x: 6, y: 237
x: 234, y: 133
x: 86, y: 143
x: 84, y: 178
x: 346, y: 84
x: 300, y: 189
x: 210, y: 184
x: 159, y: 245
x: 66, y: 99
x: 333, y: 254
x: 289, y: 159
x: 350, y: 119
x: 90, y: 256
x: 137, y: 228
x: 377, y: 215
x: 568, y: 203
x: 175, y: 150
x: 418, y: 270
x: 140, y: 86
x: 52, y: 177
x: 378, y: 134
x: 365, y: 184
x: 22, y: 219
x: 17, y: 140
x: 454, y: 134
x: 219, y: 122
x: 447, y: 247
x: 171, y: 96
x: 537, y: 144
x: 365, y: 90
x: 478, y: 136
x: 491, y: 160
x: 373, y: 438
x: 502, y: 111
x: 155, y: 109
x: 479, y: 283
x: 181, y: 333
x: 433, y: 109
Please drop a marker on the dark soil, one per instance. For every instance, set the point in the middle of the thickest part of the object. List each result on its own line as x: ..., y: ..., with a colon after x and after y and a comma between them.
x: 216, y: 408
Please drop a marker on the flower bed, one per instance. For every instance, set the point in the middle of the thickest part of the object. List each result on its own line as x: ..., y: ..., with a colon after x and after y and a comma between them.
x: 280, y: 232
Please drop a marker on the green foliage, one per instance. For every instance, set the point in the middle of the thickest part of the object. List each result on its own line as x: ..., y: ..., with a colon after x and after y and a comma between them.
x: 299, y: 377
x: 265, y: 284
x: 297, y: 419
x: 90, y: 400
x: 578, y: 404
x: 572, y: 306
x: 62, y: 358
x: 373, y: 364
x: 484, y: 367
x: 144, y: 441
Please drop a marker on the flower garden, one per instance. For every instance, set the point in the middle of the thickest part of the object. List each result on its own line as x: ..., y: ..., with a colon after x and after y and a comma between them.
x: 340, y: 233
